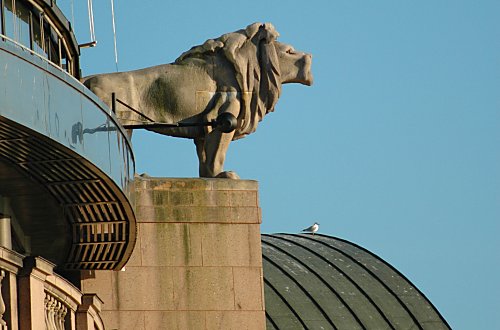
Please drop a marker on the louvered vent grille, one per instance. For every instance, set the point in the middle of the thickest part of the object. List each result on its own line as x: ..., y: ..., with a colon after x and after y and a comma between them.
x: 102, y: 221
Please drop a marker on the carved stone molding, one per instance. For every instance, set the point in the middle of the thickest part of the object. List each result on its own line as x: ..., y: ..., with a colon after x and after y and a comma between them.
x: 3, y: 324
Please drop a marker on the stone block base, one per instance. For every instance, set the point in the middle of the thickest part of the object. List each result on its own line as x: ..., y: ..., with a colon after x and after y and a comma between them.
x: 197, y: 263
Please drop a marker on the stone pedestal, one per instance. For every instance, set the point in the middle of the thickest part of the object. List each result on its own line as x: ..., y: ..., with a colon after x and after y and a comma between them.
x: 197, y: 262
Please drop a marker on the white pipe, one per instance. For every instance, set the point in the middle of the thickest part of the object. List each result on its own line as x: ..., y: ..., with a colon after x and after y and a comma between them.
x: 73, y: 24
x: 114, y: 32
x: 91, y: 20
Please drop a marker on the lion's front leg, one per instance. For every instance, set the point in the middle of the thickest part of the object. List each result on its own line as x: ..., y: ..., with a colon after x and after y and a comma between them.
x: 213, y: 146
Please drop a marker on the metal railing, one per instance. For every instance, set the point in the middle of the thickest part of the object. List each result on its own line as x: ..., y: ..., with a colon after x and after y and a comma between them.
x: 32, y: 52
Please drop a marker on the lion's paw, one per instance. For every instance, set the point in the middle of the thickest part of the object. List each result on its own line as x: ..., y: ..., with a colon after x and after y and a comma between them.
x: 228, y: 175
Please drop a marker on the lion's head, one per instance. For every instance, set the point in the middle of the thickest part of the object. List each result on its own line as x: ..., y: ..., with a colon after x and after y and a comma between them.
x: 261, y: 66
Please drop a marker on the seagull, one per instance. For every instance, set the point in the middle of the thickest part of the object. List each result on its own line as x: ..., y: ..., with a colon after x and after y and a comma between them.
x: 314, y: 228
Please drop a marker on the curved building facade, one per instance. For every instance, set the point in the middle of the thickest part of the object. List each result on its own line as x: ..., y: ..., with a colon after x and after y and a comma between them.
x: 66, y: 164
x: 66, y: 176
x: 322, y: 282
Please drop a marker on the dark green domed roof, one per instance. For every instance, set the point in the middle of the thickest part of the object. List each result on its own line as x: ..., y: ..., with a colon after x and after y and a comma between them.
x: 322, y: 282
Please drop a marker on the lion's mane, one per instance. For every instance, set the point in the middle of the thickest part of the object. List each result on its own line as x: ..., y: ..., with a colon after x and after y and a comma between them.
x: 253, y: 54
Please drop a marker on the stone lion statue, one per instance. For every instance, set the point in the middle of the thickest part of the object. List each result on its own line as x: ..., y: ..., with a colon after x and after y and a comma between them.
x: 240, y: 73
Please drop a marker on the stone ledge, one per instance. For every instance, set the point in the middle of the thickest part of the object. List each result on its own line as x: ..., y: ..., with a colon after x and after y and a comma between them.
x: 199, y: 214
x: 10, y: 260
x: 208, y: 320
x: 184, y: 184
x: 219, y: 198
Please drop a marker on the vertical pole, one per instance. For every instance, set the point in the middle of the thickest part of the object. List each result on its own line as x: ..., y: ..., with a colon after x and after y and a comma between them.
x: 91, y: 20
x: 113, y: 102
x: 2, y: 23
x: 5, y: 232
x: 114, y: 32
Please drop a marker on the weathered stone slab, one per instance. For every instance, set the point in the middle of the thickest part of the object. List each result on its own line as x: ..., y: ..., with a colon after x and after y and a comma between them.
x: 235, y: 320
x: 100, y: 282
x: 208, y: 214
x: 248, y: 289
x: 231, y: 245
x: 135, y: 257
x: 143, y: 288
x: 129, y: 320
x: 170, y: 244
x: 203, y: 288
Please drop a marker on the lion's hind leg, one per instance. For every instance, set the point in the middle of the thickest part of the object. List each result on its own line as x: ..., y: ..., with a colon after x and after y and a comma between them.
x: 202, y: 157
x: 212, y: 153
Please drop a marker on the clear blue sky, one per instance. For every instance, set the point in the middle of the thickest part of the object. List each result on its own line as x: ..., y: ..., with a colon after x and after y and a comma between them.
x: 395, y: 147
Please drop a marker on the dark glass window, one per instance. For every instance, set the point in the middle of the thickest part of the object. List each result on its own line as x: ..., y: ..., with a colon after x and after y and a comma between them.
x: 51, y: 43
x: 23, y: 23
x: 65, y: 61
x: 37, y: 42
x: 8, y: 19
